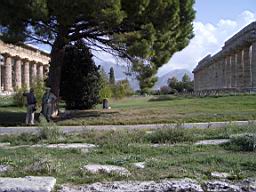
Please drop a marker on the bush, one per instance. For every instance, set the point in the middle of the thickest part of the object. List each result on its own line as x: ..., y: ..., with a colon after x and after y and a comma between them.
x: 39, y: 89
x: 169, y: 135
x: 164, y: 90
x: 18, y: 98
x: 244, y: 142
x: 163, y: 98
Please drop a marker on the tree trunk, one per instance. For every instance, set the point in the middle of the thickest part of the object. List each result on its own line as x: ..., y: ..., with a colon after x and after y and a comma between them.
x: 57, y: 55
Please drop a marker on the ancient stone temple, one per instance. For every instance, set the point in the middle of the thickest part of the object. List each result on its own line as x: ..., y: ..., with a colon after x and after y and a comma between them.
x: 21, y: 65
x: 233, y: 68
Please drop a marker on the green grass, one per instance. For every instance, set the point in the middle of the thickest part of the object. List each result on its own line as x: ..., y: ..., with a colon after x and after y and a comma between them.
x: 139, y: 110
x: 123, y: 148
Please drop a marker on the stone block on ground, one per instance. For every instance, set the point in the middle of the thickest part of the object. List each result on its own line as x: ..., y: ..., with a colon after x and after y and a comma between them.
x: 220, y: 175
x: 27, y: 184
x: 136, y: 186
x: 212, y: 142
x: 109, y: 169
x: 139, y: 165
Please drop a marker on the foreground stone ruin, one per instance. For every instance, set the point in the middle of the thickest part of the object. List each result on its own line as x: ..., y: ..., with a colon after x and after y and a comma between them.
x: 231, y: 69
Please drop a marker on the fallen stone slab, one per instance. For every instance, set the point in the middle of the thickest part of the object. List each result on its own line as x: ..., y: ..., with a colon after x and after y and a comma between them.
x: 220, y: 175
x: 109, y: 169
x: 85, y: 147
x: 136, y: 186
x: 5, y: 168
x: 212, y: 142
x: 139, y: 165
x: 27, y: 184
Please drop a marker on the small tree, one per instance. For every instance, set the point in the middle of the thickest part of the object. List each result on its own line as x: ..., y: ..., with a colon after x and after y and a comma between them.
x: 105, y: 88
x: 172, y: 83
x: 122, y: 89
x: 112, y: 76
x: 80, y: 82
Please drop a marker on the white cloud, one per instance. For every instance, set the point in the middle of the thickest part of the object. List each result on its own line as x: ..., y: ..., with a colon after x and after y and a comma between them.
x: 209, y: 38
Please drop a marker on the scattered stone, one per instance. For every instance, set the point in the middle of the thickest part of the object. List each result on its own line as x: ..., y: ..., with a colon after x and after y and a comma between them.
x: 5, y: 168
x: 130, y: 186
x: 221, y: 186
x: 139, y: 165
x: 27, y: 184
x: 85, y: 147
x: 110, y: 169
x: 212, y: 142
x: 220, y: 175
x: 5, y: 144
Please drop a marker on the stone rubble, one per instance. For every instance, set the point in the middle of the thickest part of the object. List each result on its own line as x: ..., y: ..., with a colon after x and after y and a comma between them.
x: 221, y: 186
x: 5, y: 168
x: 109, y: 169
x: 27, y: 184
x: 182, y: 185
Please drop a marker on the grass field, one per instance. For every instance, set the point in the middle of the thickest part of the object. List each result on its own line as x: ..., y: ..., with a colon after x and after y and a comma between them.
x: 142, y: 110
x: 123, y: 148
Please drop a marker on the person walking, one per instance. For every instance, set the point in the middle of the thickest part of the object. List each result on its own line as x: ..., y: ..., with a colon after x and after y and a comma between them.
x: 31, y: 107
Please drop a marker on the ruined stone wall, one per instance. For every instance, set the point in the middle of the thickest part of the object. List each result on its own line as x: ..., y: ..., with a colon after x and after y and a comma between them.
x: 233, y: 68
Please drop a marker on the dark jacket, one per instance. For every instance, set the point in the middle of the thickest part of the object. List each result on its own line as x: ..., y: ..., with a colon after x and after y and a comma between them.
x: 31, y: 99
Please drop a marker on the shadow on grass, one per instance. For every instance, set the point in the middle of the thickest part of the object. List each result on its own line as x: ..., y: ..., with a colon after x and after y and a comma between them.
x: 84, y: 114
x: 12, y: 118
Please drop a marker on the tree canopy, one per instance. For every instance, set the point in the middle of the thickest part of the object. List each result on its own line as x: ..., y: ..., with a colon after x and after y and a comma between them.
x: 146, y: 32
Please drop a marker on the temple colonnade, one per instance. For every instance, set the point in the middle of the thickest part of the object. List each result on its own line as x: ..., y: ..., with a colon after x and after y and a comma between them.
x: 233, y: 68
x: 21, y: 65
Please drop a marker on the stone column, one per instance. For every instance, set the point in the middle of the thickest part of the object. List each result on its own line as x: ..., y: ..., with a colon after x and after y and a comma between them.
x: 33, y: 72
x: 247, y: 69
x: 18, y: 73
x: 40, y: 71
x: 233, y: 71
x: 26, y: 74
x: 46, y: 70
x: 253, y: 65
x: 240, y: 70
x: 8, y: 74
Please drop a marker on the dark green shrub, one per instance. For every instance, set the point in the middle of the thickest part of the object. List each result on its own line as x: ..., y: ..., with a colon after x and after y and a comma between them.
x: 18, y: 99
x: 80, y: 78
x: 244, y: 142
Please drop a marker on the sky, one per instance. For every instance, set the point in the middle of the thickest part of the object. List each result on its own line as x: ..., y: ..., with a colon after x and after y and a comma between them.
x: 216, y: 21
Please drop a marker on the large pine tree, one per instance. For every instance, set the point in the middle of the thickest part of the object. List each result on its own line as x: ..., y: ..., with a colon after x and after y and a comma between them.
x: 147, y: 32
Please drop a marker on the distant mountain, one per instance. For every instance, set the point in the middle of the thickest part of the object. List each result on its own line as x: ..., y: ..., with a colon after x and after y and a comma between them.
x: 178, y: 73
x: 121, y: 70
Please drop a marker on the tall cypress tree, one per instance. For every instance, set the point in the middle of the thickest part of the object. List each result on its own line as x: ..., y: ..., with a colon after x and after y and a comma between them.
x: 112, y: 79
x: 80, y: 80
